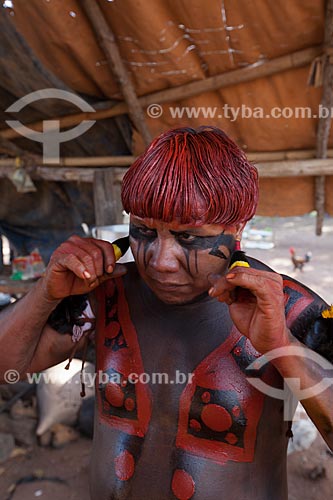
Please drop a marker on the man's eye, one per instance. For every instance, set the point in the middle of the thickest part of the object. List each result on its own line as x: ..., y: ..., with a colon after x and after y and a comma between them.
x: 138, y: 232
x: 145, y: 231
x: 186, y: 238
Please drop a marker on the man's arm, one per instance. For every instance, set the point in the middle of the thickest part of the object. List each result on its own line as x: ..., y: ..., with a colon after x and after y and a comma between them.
x: 256, y: 305
x: 23, y: 325
x: 310, y: 375
x: 27, y: 342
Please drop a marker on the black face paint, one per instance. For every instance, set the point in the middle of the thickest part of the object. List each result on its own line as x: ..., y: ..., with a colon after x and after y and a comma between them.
x: 227, y: 240
x: 196, y: 242
x: 187, y: 241
x: 144, y: 236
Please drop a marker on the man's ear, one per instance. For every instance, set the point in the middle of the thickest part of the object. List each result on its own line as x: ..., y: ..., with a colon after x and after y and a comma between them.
x: 239, y: 230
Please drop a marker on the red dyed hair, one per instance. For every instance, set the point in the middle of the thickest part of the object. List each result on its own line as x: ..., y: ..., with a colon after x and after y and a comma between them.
x: 193, y: 177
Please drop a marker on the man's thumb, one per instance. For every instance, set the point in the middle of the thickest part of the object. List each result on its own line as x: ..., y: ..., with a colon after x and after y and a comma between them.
x: 118, y: 271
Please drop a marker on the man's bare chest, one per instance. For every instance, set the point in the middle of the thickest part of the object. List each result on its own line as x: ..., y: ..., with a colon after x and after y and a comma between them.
x: 154, y: 396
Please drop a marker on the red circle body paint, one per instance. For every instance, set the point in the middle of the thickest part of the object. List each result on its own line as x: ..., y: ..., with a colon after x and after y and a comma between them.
x: 114, y: 394
x: 124, y: 466
x: 129, y: 404
x: 205, y: 397
x: 216, y: 418
x: 183, y: 486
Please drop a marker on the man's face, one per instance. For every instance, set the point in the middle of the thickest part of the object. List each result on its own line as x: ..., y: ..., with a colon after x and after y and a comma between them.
x: 175, y: 259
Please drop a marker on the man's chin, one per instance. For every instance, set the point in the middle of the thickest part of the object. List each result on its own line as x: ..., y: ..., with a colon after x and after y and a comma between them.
x: 178, y: 299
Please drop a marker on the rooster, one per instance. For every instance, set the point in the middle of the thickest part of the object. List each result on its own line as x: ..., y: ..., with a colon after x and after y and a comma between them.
x: 299, y: 261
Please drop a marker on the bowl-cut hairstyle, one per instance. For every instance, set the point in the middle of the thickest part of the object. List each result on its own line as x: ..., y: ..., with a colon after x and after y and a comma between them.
x: 192, y: 176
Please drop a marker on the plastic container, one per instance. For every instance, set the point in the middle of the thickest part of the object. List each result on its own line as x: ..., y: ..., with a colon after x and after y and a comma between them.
x: 27, y: 267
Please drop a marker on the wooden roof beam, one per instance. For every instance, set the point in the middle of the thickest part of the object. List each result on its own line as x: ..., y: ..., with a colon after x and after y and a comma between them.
x: 108, y: 44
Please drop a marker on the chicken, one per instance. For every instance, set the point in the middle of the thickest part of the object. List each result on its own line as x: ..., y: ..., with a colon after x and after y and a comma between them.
x: 299, y: 261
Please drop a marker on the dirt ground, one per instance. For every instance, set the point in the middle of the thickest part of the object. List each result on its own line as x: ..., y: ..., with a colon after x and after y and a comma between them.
x: 310, y: 471
x: 69, y: 464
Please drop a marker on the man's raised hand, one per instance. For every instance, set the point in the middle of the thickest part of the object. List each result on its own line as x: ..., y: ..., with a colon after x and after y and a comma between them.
x: 78, y: 266
x: 256, y: 305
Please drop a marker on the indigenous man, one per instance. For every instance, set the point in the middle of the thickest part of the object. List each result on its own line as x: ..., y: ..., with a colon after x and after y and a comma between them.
x: 200, y: 429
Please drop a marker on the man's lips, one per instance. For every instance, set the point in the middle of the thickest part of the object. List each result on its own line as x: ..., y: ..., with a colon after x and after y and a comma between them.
x: 167, y: 284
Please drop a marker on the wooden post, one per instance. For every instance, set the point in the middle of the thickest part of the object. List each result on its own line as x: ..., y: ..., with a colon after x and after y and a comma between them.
x: 1, y: 254
x: 108, y: 43
x: 324, y: 124
x: 107, y: 203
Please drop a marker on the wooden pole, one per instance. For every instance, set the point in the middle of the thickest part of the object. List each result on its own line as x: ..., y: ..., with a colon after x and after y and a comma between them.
x: 251, y: 72
x: 299, y: 168
x: 107, y: 42
x: 297, y: 154
x: 271, y: 158
x: 324, y: 124
x: 92, y: 161
x: 234, y: 77
x: 107, y: 200
x: 269, y: 169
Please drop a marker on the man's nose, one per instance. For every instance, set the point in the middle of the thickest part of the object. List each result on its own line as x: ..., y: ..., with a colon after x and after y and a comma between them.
x: 163, y: 256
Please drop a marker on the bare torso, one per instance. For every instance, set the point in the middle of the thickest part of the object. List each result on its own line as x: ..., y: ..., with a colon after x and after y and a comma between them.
x: 209, y: 438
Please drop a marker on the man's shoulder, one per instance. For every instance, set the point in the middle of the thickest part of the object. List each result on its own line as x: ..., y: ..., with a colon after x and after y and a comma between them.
x: 304, y: 314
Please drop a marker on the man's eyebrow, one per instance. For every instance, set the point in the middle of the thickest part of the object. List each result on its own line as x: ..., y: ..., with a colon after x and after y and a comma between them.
x: 138, y: 223
x: 195, y: 232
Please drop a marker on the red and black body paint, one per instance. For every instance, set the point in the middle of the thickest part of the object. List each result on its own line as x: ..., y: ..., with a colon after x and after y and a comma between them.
x: 123, y: 404
x: 306, y: 320
x: 219, y: 411
x: 216, y: 421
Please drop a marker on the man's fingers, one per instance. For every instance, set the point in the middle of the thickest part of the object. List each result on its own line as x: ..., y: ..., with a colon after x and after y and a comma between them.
x: 221, y: 289
x: 220, y: 286
x: 89, y: 260
x: 102, y: 252
x: 106, y: 251
x: 90, y: 255
x: 253, y: 278
x: 241, y: 285
x: 119, y: 270
x: 262, y: 284
x: 74, y: 264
